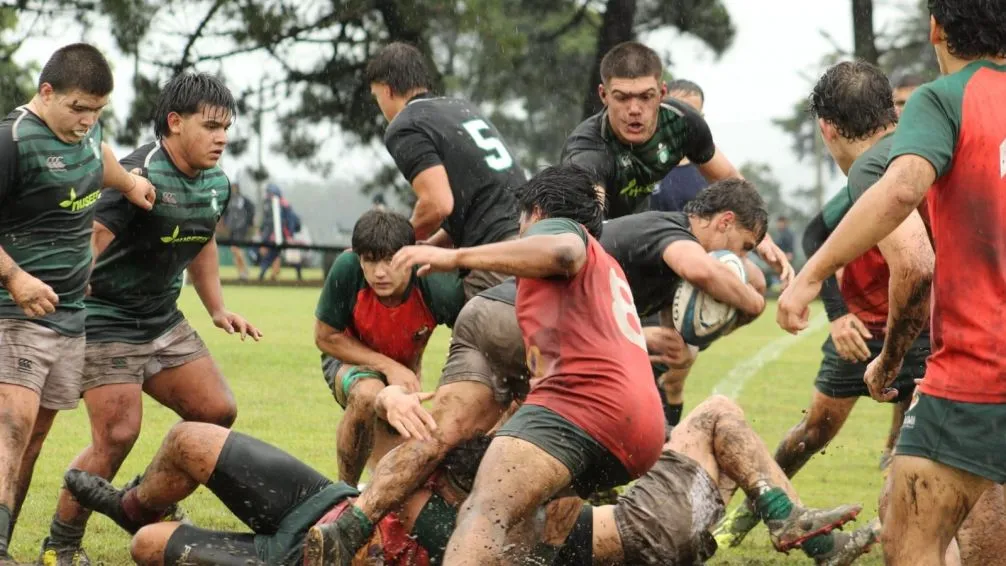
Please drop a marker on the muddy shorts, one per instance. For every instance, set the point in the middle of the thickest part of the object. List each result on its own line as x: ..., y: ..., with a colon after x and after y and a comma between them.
x: 108, y: 363
x: 42, y: 360
x: 838, y: 378
x: 487, y: 348
x: 666, y: 516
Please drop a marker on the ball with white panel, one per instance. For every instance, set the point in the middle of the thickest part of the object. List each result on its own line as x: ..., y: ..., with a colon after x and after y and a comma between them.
x: 700, y: 318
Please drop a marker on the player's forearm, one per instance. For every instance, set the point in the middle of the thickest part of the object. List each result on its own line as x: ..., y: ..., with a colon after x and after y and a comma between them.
x: 205, y: 274
x: 874, y: 216
x: 911, y: 262
x: 427, y: 217
x: 534, y: 257
x: 722, y: 284
x: 814, y: 237
x: 101, y: 238
x: 114, y: 175
x: 8, y: 268
x: 350, y: 350
x: 440, y: 239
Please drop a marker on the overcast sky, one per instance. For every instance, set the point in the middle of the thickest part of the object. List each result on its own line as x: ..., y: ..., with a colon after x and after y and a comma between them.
x: 758, y: 79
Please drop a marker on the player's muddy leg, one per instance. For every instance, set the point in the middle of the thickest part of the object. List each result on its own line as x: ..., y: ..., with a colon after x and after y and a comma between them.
x: 819, y: 426
x: 18, y: 408
x: 897, y: 419
x: 538, y: 539
x: 980, y: 537
x: 196, y: 391
x: 386, y: 439
x: 115, y: 412
x: 355, y: 433
x: 672, y: 386
x: 39, y: 432
x: 927, y: 504
x: 501, y: 496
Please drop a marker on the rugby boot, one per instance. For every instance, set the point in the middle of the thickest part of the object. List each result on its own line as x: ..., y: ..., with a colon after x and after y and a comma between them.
x: 803, y: 524
x: 96, y: 493
x: 736, y: 525
x: 62, y: 556
x: 850, y: 546
x: 335, y: 543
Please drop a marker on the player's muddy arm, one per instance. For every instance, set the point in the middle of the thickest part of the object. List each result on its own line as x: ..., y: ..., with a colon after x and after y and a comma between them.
x: 692, y: 263
x: 348, y: 349
x: 911, y: 260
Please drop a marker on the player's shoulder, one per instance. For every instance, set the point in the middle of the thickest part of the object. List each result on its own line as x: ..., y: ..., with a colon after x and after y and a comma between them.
x: 23, y: 125
x: 144, y: 155
x: 429, y: 111
x: 870, y: 166
x: 588, y: 133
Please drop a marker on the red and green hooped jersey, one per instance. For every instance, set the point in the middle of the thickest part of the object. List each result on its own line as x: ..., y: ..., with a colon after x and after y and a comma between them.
x: 347, y: 303
x: 958, y: 124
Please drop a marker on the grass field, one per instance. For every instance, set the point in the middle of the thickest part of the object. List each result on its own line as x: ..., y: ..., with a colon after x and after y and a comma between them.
x: 282, y: 399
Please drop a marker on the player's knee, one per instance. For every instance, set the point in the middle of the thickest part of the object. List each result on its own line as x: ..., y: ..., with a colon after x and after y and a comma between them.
x: 117, y: 438
x: 147, y: 546
x: 363, y: 395
x: 724, y: 406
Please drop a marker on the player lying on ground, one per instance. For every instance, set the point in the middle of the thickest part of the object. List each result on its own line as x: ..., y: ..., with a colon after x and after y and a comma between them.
x: 137, y: 339
x: 855, y: 109
x: 486, y: 365
x: 665, y: 516
x: 372, y: 325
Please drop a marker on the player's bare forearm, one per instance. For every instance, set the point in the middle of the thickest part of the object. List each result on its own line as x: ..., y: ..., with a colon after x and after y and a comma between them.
x: 101, y: 238
x: 881, y: 209
x: 426, y: 219
x: 349, y: 350
x: 440, y: 239
x: 205, y: 273
x: 536, y: 257
x: 8, y: 268
x: 693, y: 264
x: 114, y: 175
x: 910, y: 258
x: 434, y: 203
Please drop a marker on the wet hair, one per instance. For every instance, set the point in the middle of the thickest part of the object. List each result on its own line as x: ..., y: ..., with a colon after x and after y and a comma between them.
x: 686, y: 86
x: 631, y: 60
x: 856, y: 98
x: 378, y: 234
x: 188, y: 93
x: 909, y: 80
x: 78, y: 66
x: 732, y: 195
x: 400, y: 66
x: 974, y: 28
x: 563, y: 191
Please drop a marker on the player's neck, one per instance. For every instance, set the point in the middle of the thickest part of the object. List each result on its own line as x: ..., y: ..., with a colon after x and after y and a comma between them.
x: 859, y: 147
x: 402, y: 101
x: 951, y: 64
x: 176, y: 155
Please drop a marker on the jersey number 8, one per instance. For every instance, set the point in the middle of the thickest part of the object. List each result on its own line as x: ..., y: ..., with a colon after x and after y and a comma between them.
x: 625, y: 311
x: 498, y: 157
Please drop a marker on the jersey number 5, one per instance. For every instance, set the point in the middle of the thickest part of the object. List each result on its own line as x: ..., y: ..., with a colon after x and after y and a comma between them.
x: 498, y: 157
x: 625, y: 311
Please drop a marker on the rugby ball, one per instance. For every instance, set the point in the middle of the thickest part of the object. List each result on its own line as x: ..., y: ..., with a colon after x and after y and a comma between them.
x: 700, y: 318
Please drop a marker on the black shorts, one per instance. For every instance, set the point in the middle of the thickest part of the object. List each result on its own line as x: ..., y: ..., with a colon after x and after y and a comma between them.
x: 276, y: 495
x: 591, y: 466
x: 838, y: 378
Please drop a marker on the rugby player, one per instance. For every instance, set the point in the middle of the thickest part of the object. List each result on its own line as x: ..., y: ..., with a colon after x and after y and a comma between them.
x: 53, y: 165
x: 372, y: 325
x: 637, y: 139
x: 903, y: 89
x: 486, y: 366
x: 950, y: 146
x: 855, y: 110
x: 684, y: 181
x: 664, y: 518
x: 460, y: 168
x: 137, y: 338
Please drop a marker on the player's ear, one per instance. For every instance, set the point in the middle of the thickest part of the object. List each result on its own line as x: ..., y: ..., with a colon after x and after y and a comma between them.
x: 727, y: 220
x: 828, y: 131
x: 174, y: 122
x: 602, y: 94
x: 663, y: 91
x: 936, y: 34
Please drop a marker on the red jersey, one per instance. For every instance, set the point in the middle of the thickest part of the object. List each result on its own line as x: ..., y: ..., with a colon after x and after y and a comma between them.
x: 587, y: 356
x: 958, y: 124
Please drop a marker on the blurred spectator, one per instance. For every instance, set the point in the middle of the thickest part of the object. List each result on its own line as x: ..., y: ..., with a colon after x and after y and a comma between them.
x: 238, y: 223
x: 277, y: 214
x: 903, y: 88
x: 684, y: 181
x: 378, y: 202
x: 783, y: 237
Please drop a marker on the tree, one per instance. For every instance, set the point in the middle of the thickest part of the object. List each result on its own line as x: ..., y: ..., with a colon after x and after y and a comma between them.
x: 16, y: 85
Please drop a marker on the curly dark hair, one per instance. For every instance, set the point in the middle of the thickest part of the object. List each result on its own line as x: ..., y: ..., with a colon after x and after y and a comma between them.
x: 856, y: 98
x: 974, y: 28
x: 732, y: 195
x: 564, y: 191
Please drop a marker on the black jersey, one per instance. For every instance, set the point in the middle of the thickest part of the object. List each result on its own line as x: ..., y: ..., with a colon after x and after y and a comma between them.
x: 637, y: 242
x: 483, y: 173
x: 629, y: 173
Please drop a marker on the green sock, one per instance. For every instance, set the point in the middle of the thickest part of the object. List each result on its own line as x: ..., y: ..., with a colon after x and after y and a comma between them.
x: 773, y: 505
x: 819, y: 545
x: 356, y: 515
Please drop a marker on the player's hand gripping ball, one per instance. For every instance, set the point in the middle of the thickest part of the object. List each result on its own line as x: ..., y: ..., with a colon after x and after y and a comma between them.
x: 700, y: 318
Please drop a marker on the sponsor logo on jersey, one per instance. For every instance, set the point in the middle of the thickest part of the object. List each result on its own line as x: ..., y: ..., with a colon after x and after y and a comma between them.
x: 168, y: 198
x: 634, y: 189
x: 24, y: 364
x: 55, y: 163
x: 175, y: 238
x: 76, y: 205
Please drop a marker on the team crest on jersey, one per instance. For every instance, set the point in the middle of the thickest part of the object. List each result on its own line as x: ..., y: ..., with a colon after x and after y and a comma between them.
x: 214, y: 203
x: 421, y: 335
x: 55, y: 163
x: 663, y: 154
x: 168, y: 198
